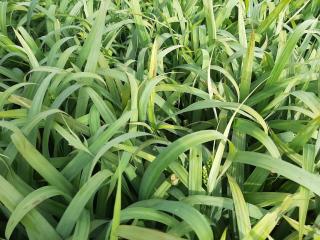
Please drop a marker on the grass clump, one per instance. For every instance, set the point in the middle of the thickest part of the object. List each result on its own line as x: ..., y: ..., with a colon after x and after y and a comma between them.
x: 181, y: 119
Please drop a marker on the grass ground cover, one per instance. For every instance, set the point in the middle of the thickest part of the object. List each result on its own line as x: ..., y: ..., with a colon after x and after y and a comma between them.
x: 180, y: 119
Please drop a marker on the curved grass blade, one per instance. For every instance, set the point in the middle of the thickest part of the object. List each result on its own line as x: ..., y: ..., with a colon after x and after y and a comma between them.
x: 78, y: 203
x: 36, y: 224
x: 140, y: 233
x: 40, y: 164
x: 290, y: 171
x: 272, y: 16
x: 28, y: 203
x: 190, y: 215
x: 222, y: 202
x: 241, y: 209
x: 169, y: 155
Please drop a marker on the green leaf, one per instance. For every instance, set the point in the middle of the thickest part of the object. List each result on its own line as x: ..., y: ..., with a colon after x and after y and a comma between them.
x: 286, y: 53
x: 290, y: 171
x: 40, y: 164
x: 82, y: 229
x: 221, y: 202
x: 190, y: 215
x: 246, y: 69
x: 241, y: 209
x: 195, y: 170
x: 169, y: 155
x: 116, y: 210
x: 148, y: 214
x: 140, y: 233
x: 265, y: 226
x: 308, y: 165
x: 78, y: 203
x: 82, y: 158
x: 34, y: 222
x: 28, y: 203
x: 263, y: 26
x: 210, y: 20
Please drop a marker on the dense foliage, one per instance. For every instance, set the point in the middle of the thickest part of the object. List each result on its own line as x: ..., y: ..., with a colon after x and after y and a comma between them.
x: 164, y: 119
